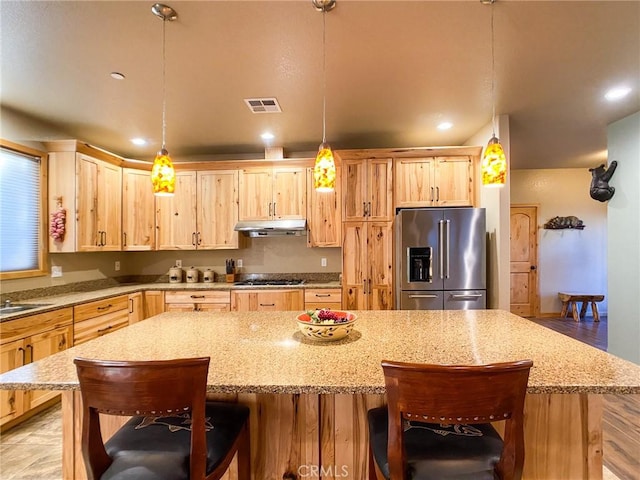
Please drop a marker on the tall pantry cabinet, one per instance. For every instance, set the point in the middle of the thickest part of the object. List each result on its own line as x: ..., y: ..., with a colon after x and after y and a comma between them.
x: 367, y: 233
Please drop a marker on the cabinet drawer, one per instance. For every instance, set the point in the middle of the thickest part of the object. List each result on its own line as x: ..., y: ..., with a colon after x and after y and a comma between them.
x: 100, y: 307
x: 21, y: 327
x: 96, y: 327
x: 326, y: 295
x: 198, y: 296
x: 200, y: 307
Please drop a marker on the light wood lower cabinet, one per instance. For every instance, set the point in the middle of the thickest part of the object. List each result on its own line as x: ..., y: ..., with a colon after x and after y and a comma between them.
x: 94, y: 319
x: 267, y: 300
x: 197, y: 301
x: 153, y: 302
x: 26, y: 340
x: 330, y: 298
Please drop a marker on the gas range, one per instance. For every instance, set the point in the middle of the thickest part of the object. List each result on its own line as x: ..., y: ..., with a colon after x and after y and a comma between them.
x: 259, y: 283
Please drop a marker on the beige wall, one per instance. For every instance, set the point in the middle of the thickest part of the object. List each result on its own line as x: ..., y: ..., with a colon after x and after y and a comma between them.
x: 569, y: 260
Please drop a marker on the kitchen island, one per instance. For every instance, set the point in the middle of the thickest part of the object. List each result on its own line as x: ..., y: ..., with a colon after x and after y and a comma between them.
x: 309, y: 400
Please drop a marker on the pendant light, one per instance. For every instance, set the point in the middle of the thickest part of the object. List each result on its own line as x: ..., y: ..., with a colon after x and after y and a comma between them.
x: 494, y: 162
x: 324, y: 170
x: 163, y: 175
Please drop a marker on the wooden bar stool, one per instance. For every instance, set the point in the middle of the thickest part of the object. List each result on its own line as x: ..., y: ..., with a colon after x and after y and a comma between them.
x: 570, y: 300
x: 174, y: 434
x: 437, y: 422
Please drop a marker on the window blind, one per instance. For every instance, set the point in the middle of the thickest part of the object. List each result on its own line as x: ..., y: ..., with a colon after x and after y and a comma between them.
x: 19, y: 211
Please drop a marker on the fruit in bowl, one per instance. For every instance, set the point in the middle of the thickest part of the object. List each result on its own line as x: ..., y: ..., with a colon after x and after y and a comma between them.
x: 326, y: 325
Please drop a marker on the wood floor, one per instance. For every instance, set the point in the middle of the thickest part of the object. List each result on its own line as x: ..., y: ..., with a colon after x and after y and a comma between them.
x: 33, y: 450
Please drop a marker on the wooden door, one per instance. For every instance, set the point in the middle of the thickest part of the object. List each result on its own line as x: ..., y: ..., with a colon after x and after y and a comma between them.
x: 524, y: 260
x: 86, y: 204
x: 12, y: 355
x: 324, y: 214
x: 217, y: 209
x: 454, y: 181
x: 289, y: 193
x: 176, y: 215
x: 138, y: 211
x: 380, y: 190
x: 354, y: 265
x: 380, y: 266
x: 42, y: 345
x: 414, y: 182
x: 136, y: 308
x: 255, y: 188
x: 354, y: 190
x: 109, y: 206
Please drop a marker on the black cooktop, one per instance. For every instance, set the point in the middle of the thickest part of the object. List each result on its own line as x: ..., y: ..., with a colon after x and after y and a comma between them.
x: 270, y: 282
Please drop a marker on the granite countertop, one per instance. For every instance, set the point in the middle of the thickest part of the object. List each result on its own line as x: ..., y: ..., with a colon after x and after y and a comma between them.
x: 71, y: 299
x: 258, y: 352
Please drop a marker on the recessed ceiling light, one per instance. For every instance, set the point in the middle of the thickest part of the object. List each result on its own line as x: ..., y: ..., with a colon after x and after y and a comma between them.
x: 267, y: 136
x: 445, y: 126
x: 139, y: 141
x: 117, y: 75
x: 617, y: 93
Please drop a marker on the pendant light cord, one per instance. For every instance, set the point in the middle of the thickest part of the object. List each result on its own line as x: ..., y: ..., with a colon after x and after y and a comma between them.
x: 164, y: 87
x: 493, y: 77
x: 324, y: 77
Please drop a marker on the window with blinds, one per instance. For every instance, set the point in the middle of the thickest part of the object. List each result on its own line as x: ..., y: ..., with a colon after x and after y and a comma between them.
x: 21, y: 211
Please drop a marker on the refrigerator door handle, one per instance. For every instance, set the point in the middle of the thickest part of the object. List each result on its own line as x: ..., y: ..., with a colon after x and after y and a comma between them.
x: 415, y: 295
x: 464, y: 297
x: 440, y: 247
x: 448, y: 238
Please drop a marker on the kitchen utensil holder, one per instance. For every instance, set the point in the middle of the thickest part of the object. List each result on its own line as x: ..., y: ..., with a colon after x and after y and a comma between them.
x: 230, y: 277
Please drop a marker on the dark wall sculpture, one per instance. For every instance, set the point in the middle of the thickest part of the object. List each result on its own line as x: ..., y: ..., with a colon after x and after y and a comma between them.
x: 600, y: 189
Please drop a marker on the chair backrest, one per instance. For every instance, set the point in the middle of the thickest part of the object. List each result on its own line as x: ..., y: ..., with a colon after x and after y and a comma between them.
x: 166, y: 387
x: 458, y: 394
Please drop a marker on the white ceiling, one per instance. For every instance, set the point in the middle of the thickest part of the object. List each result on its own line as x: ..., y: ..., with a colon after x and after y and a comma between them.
x: 394, y: 70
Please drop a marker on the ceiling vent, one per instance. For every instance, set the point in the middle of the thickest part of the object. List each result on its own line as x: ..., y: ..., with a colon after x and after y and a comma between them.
x: 263, y: 105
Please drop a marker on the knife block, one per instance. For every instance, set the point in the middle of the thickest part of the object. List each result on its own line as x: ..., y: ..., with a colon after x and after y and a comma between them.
x: 230, y: 277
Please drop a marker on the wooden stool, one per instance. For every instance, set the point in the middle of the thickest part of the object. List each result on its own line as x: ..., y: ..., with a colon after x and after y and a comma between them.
x: 573, y: 298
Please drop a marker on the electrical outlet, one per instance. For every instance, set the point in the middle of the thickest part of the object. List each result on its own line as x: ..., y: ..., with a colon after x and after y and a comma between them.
x: 239, y: 263
x: 117, y: 266
x: 178, y: 263
x: 323, y: 262
x: 56, y: 271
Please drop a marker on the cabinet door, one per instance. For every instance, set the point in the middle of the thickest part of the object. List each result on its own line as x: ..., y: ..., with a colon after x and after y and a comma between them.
x: 86, y: 204
x: 217, y: 209
x: 136, y: 308
x: 274, y: 300
x: 138, y: 212
x: 354, y: 265
x: 176, y: 216
x: 244, y: 300
x: 101, y: 325
x: 289, y: 193
x: 255, y: 194
x: 109, y: 206
x: 40, y: 346
x: 414, y: 182
x: 12, y: 355
x: 153, y: 303
x: 324, y: 214
x: 454, y: 181
x: 380, y: 193
x: 354, y: 188
x: 380, y: 266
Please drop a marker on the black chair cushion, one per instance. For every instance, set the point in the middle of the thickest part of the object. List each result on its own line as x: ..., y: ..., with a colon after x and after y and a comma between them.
x: 438, y: 452
x: 157, y: 448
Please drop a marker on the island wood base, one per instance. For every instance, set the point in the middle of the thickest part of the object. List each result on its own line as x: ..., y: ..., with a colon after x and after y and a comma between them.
x: 325, y: 436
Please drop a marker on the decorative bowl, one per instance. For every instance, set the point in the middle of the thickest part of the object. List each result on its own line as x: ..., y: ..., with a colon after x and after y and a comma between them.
x: 326, y: 330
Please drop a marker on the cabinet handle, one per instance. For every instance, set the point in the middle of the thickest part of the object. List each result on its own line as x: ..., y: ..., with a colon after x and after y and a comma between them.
x: 30, y: 350
x: 104, y: 330
x: 131, y: 305
x: 368, y: 209
x: 323, y: 295
x: 422, y: 296
x: 24, y: 353
x: 193, y: 238
x: 274, y: 209
x: 267, y: 304
x: 124, y: 239
x: 364, y: 209
x: 197, y: 296
x: 199, y: 240
x: 62, y: 342
x: 107, y: 307
x: 437, y: 194
x: 196, y: 307
x: 431, y: 194
x: 364, y: 283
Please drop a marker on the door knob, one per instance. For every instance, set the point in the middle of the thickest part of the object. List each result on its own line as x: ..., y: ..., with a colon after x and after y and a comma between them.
x: 532, y: 267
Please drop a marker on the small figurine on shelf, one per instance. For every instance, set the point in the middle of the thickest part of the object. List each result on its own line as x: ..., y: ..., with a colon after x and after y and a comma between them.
x: 57, y: 221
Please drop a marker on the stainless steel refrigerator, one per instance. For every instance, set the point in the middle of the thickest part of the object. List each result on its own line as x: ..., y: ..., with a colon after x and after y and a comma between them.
x: 440, y: 259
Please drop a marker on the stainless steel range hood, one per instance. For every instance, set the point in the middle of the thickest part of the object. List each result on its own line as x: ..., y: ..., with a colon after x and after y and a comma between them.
x: 272, y: 228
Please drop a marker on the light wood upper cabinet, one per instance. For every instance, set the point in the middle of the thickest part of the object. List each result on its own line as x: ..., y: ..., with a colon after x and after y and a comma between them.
x: 272, y: 193
x: 98, y: 205
x: 324, y: 214
x: 201, y: 214
x: 267, y: 300
x: 367, y: 186
x: 138, y: 211
x: 367, y: 262
x: 434, y: 181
